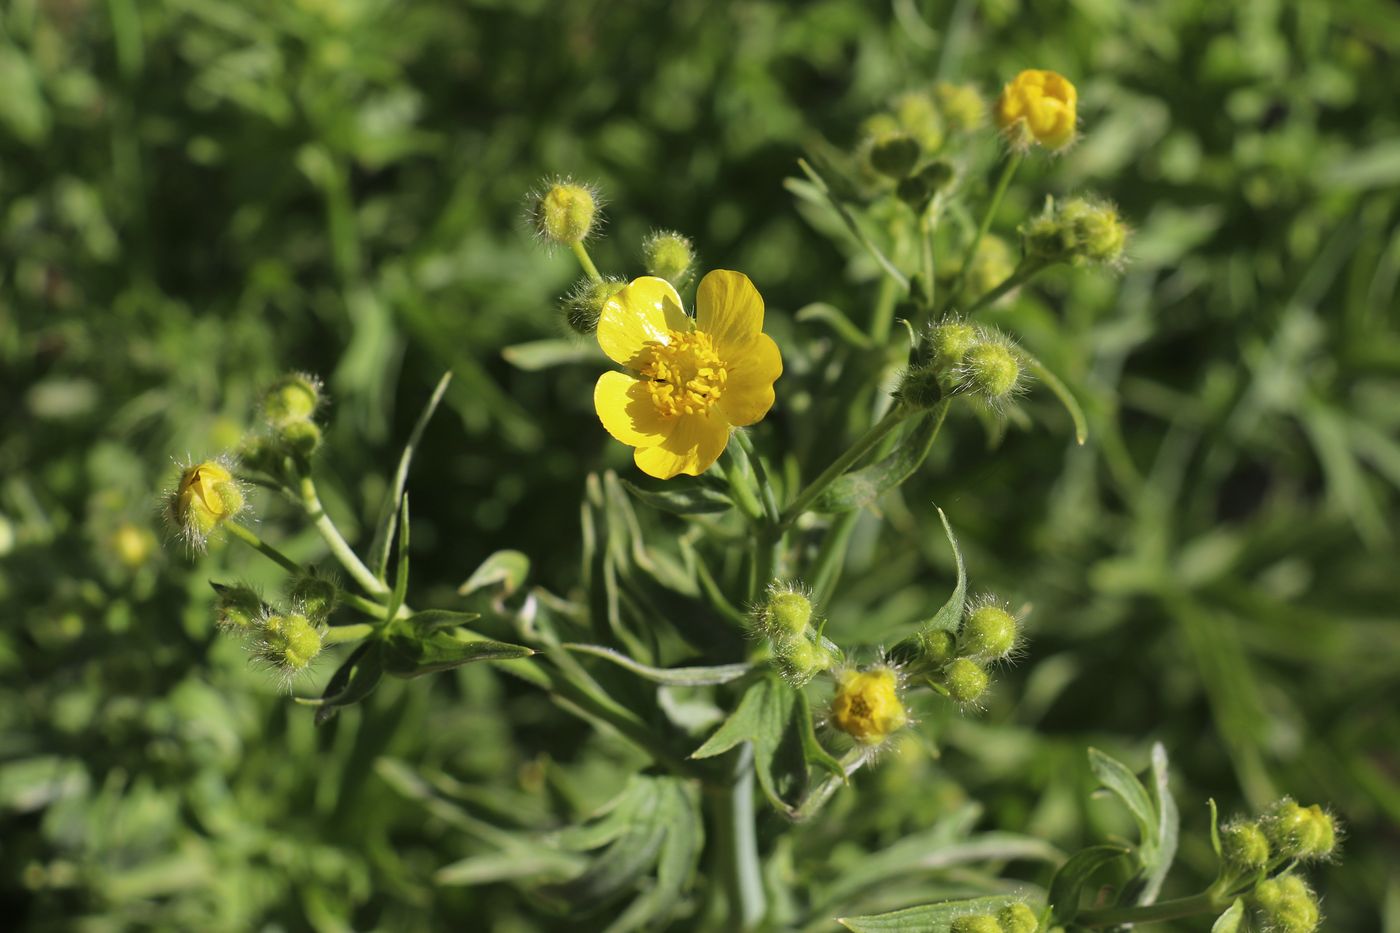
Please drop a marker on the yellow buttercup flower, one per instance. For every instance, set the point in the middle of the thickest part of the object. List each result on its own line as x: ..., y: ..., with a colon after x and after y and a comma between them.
x: 867, y: 706
x: 1038, y: 106
x: 689, y: 381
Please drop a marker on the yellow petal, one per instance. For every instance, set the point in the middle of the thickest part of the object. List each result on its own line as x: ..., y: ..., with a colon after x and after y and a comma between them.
x: 694, y: 444
x: 748, y: 392
x: 729, y: 309
x: 647, y: 309
x: 627, y: 412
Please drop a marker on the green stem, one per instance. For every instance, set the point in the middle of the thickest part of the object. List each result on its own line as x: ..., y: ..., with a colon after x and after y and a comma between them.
x: 893, y: 418
x: 339, y: 548
x: 1165, y: 910
x: 1023, y: 273
x: 738, y: 846
x: 926, y: 230
x: 262, y: 547
x: 339, y: 634
x: 586, y: 261
x: 1007, y: 171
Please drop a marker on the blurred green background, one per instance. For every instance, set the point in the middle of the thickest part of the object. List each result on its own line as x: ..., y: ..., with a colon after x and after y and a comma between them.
x: 198, y: 194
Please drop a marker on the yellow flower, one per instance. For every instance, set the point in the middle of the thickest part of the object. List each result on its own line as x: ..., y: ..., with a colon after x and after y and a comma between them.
x: 866, y: 705
x: 1038, y: 106
x: 689, y: 381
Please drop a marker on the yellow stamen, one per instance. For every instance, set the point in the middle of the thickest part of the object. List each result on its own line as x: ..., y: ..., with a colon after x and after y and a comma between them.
x: 684, y: 375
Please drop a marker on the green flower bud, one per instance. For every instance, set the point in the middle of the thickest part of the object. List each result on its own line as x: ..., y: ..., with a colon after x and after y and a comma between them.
x: 237, y: 608
x: 289, y: 641
x: 962, y: 105
x: 1287, y: 905
x: 1018, y: 918
x: 564, y: 212
x: 989, y: 633
x: 919, y: 388
x: 915, y: 192
x: 937, y: 647
x: 951, y: 340
x: 300, y: 438
x: 894, y: 155
x: 976, y: 923
x: 990, y: 371
x: 918, y: 117
x: 314, y: 595
x: 291, y: 399
x: 1244, y: 847
x: 1077, y: 230
x: 802, y: 659
x: 938, y: 174
x: 584, y: 304
x: 966, y: 680
x: 668, y: 255
x: 1300, y: 832
x: 787, y: 613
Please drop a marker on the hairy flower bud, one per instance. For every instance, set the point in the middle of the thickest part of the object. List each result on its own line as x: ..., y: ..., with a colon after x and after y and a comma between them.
x: 990, y: 371
x: 989, y: 633
x: 564, y: 212
x: 787, y: 613
x: 300, y: 438
x: 668, y: 255
x: 1243, y: 846
x: 1037, y: 107
x: 867, y: 705
x: 292, y: 399
x: 975, y: 923
x: 289, y: 641
x: 238, y: 608
x: 802, y: 659
x: 937, y: 647
x: 951, y: 339
x: 966, y: 680
x: 894, y: 155
x: 583, y: 306
x: 1287, y: 905
x: 962, y: 105
x: 919, y: 388
x: 1018, y: 918
x: 1300, y: 832
x: 1082, y: 231
x: 314, y: 595
x: 205, y: 497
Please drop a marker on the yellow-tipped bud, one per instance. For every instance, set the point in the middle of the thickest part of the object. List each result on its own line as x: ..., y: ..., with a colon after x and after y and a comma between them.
x: 1244, y: 847
x: 1287, y: 905
x: 1300, y: 832
x: 1018, y: 918
x: 668, y: 255
x: 966, y: 680
x: 291, y: 399
x: 564, y: 212
x: 867, y: 705
x: 289, y: 641
x: 1038, y: 107
x: 205, y: 497
x: 989, y: 633
x: 962, y: 105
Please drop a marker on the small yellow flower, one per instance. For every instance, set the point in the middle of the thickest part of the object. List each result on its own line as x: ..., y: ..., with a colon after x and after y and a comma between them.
x: 689, y: 381
x: 866, y: 705
x: 1038, y: 106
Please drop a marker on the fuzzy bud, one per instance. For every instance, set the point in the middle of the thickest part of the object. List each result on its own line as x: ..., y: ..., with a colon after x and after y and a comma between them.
x: 583, y: 306
x: 291, y: 399
x: 1244, y: 847
x: 1037, y: 107
x: 894, y: 155
x: 976, y: 923
x: 919, y: 388
x: 962, y: 105
x: 787, y: 613
x: 867, y: 706
x: 937, y: 647
x: 314, y: 595
x: 1018, y: 918
x: 802, y: 659
x: 238, y: 608
x: 989, y: 633
x: 1081, y: 231
x: 289, y: 641
x: 1300, y: 832
x: 951, y: 340
x: 966, y: 680
x: 564, y: 212
x: 1287, y: 905
x: 300, y: 438
x: 668, y: 255
x: 262, y: 454
x: 990, y: 371
x: 205, y: 497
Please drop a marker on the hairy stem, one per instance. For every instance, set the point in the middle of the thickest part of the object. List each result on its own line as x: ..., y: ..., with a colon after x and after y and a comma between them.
x: 586, y: 261
x: 339, y: 548
x: 860, y: 448
x: 1023, y: 273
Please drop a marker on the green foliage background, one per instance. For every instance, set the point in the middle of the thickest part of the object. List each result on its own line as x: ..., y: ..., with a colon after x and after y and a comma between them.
x: 198, y: 194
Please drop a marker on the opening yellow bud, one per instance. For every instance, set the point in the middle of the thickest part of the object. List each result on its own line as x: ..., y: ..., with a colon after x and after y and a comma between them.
x: 867, y: 706
x: 205, y: 497
x: 1038, y: 107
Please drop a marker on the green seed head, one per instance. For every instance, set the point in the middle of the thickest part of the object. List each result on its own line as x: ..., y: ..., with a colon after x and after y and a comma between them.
x: 966, y: 680
x: 989, y: 633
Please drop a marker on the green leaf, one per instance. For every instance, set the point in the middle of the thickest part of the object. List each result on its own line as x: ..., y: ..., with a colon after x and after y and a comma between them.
x: 1231, y: 920
x: 1074, y: 875
x: 678, y: 498
x: 859, y: 488
x: 389, y: 511
x: 838, y: 322
x: 352, y: 682
x: 409, y: 656
x: 400, y: 591
x: 1157, y: 861
x: 508, y: 569
x: 812, y: 749
x: 1214, y: 827
x: 1062, y: 392
x: 536, y: 355
x: 673, y: 676
x: 1120, y: 779
x: 930, y: 918
x: 762, y: 718
x: 949, y: 617
x: 430, y: 620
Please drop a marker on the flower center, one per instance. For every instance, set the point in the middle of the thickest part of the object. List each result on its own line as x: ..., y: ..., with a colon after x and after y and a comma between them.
x: 685, y: 375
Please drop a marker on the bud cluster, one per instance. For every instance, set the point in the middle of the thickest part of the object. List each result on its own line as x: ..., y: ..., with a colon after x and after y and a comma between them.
x: 287, y: 637
x: 1081, y: 231
x: 1013, y: 918
x: 288, y: 409
x: 977, y: 361
x: 959, y: 660
x: 902, y: 145
x: 1287, y: 833
x: 787, y: 620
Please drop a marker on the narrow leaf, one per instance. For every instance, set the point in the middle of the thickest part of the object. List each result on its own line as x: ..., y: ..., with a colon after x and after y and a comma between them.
x: 407, y: 656
x: 761, y: 718
x: 1231, y: 920
x: 430, y: 620
x: 673, y: 676
x: 682, y: 499
x: 1120, y: 779
x: 1168, y: 828
x: 389, y: 511
x: 506, y: 568
x: 1062, y: 392
x: 930, y: 918
x: 949, y: 617
x: 400, y: 591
